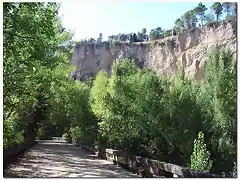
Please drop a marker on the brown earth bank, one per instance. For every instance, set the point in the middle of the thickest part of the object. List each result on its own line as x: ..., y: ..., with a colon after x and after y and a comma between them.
x: 188, y: 49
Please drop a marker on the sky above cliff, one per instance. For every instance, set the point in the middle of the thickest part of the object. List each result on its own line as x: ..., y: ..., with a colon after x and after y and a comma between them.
x: 89, y: 18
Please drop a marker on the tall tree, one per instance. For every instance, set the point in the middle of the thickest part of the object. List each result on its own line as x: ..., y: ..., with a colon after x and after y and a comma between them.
x: 110, y: 38
x: 200, y: 11
x: 153, y: 35
x: 230, y: 8
x: 179, y: 23
x: 131, y: 38
x: 35, y: 44
x: 144, y: 31
x: 234, y: 5
x: 227, y: 7
x: 159, y: 32
x: 134, y: 37
x: 190, y: 19
x: 140, y: 36
x: 100, y: 38
x: 217, y: 8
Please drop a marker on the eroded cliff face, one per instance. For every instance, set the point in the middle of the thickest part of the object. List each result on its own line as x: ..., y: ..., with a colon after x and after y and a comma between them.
x: 188, y: 49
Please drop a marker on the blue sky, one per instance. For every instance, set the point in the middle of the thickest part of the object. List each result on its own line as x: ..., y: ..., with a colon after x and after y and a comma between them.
x: 89, y: 18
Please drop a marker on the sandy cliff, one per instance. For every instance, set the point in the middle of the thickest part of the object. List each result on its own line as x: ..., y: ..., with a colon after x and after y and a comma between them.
x: 163, y: 56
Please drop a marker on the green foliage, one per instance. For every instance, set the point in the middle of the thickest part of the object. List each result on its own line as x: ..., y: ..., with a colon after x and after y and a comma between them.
x: 230, y: 8
x: 34, y: 44
x: 144, y: 31
x: 41, y: 100
x: 190, y: 19
x: 140, y: 36
x: 132, y: 109
x: 200, y: 158
x: 220, y: 83
x: 10, y: 137
x: 158, y: 116
x: 76, y: 134
x: 200, y: 11
x: 156, y: 33
x: 179, y: 23
x: 122, y: 103
x: 167, y: 33
x: 217, y: 8
x: 134, y: 38
x: 99, y: 40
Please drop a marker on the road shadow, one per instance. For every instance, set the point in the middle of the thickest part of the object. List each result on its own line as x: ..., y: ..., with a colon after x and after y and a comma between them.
x: 51, y: 159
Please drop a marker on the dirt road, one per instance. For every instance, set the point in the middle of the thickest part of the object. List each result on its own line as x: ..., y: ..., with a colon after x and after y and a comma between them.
x: 56, y: 159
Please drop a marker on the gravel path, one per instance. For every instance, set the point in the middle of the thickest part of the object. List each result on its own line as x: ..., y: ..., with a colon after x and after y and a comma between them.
x: 56, y: 159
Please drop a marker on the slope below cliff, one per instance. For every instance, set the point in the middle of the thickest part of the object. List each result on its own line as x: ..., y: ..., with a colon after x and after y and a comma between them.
x: 188, y: 49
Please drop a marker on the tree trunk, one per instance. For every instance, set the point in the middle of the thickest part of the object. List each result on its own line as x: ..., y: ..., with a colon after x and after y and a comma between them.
x: 39, y: 115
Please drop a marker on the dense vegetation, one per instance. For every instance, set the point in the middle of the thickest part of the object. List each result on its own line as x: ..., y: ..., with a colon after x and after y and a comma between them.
x: 132, y: 109
x: 160, y: 117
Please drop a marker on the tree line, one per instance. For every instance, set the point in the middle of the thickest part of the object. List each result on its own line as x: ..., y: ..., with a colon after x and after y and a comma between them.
x: 173, y: 119
x: 198, y: 15
x: 193, y: 18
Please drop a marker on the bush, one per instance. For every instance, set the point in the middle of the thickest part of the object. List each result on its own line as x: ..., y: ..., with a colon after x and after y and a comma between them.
x: 76, y: 134
x: 200, y: 159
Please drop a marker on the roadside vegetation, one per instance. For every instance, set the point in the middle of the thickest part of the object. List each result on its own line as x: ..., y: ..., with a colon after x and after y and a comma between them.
x: 173, y: 119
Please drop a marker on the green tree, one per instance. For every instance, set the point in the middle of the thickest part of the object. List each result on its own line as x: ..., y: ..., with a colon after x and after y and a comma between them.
x: 217, y: 8
x: 200, y: 158
x: 209, y: 17
x: 200, y: 11
x: 134, y: 38
x: 159, y: 32
x: 45, y: 100
x: 144, y: 31
x: 140, y: 36
x: 153, y: 35
x: 231, y: 9
x: 100, y: 38
x: 34, y: 44
x: 179, y: 23
x: 123, y: 37
x: 190, y: 19
x: 220, y: 85
x: 163, y: 114
x: 227, y: 7
x: 167, y: 33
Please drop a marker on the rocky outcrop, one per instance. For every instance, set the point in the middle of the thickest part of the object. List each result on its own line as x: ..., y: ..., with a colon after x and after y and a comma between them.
x: 188, y: 49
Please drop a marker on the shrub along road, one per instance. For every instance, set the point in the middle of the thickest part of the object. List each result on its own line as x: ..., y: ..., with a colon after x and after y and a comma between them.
x: 58, y: 159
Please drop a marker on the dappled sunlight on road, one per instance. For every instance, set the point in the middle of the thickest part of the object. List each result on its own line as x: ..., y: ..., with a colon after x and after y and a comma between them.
x: 50, y: 159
